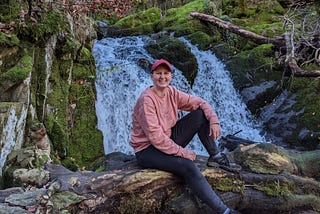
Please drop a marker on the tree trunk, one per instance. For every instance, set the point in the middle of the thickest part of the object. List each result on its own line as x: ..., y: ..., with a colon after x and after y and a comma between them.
x: 131, y: 189
x: 279, y: 42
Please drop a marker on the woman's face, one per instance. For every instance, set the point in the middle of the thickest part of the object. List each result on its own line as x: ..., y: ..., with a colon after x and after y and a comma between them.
x: 161, y: 77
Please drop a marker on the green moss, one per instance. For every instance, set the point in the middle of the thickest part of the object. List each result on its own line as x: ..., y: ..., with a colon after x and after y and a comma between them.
x: 264, y: 18
x: 308, y: 100
x: 257, y: 63
x: 59, y: 140
x: 10, y: 10
x: 201, y: 39
x: 41, y: 160
x: 67, y: 48
x: 267, y: 29
x: 81, y: 71
x: 308, y: 163
x: 52, y: 23
x: 70, y: 163
x: 8, y: 40
x: 227, y: 184
x: 133, y: 203
x: 177, y: 19
x: 19, y: 72
x: 141, y: 18
x: 85, y: 55
x: 275, y: 189
x: 84, y: 135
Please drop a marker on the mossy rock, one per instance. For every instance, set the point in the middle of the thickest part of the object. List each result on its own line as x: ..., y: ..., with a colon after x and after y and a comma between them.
x: 19, y: 72
x: 66, y: 46
x: 49, y: 24
x: 82, y: 71
x: 241, y: 9
x: 8, y: 40
x: 178, y: 20
x: 25, y: 166
x: 308, y: 163
x: 256, y: 63
x: 141, y: 18
x: 60, y: 140
x: 276, y: 188
x: 252, y: 68
x: 201, y: 39
x: 264, y: 158
x: 139, y: 23
x: 86, y: 142
x: 177, y: 53
x: 307, y: 132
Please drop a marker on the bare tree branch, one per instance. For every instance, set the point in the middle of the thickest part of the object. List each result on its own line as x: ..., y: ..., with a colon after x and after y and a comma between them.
x: 259, y: 39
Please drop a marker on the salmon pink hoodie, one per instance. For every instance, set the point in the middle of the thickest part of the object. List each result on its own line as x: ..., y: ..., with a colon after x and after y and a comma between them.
x: 154, y: 116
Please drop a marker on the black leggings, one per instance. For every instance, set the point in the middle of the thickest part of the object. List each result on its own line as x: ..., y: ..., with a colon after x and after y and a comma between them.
x: 182, y: 134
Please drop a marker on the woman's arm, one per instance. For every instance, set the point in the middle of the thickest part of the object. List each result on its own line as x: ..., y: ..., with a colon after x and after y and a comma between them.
x: 148, y: 117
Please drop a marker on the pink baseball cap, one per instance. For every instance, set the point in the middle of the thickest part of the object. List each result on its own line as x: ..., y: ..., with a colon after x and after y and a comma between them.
x: 160, y: 62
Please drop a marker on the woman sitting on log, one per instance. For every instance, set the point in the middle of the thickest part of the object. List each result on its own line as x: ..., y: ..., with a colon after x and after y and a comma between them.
x: 159, y: 138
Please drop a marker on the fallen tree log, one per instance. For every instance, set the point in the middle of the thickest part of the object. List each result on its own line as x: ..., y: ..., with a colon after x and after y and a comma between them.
x: 130, y: 189
x: 259, y: 39
x: 279, y: 42
x: 270, y: 182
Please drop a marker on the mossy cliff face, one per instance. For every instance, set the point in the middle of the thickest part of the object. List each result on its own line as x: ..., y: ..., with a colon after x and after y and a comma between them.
x: 66, y: 104
x: 58, y: 59
x: 257, y: 70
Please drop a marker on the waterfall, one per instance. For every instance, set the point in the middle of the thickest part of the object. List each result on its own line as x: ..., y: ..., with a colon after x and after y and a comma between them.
x: 13, y: 120
x: 50, y: 46
x: 13, y: 130
x: 120, y: 81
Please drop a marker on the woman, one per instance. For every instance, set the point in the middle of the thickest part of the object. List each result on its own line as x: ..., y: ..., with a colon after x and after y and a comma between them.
x: 159, y: 140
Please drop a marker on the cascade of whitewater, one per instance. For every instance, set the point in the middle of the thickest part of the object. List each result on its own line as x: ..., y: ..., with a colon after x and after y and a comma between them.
x: 50, y: 46
x: 13, y: 132
x: 120, y: 81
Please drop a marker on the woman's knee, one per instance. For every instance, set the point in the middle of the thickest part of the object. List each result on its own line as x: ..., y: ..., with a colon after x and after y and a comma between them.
x: 189, y: 169
x: 199, y: 113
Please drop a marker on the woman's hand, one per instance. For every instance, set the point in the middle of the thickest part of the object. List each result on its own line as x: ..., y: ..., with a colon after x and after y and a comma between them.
x: 215, y: 131
x: 189, y: 154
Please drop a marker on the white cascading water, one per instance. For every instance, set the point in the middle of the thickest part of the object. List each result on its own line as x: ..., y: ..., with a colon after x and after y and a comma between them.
x: 12, y: 133
x: 50, y: 46
x: 120, y: 81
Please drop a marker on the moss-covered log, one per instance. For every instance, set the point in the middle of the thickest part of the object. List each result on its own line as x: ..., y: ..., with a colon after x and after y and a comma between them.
x: 272, y: 180
x: 259, y: 39
x: 151, y: 191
